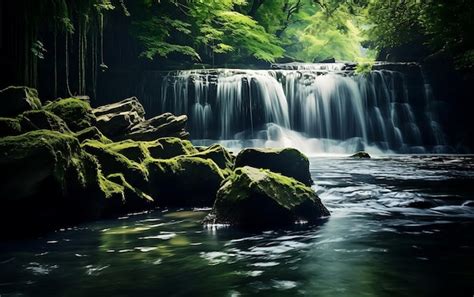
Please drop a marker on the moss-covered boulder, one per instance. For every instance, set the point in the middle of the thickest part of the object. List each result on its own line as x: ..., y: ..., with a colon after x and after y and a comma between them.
x: 77, y: 113
x: 134, y: 150
x: 360, y: 155
x: 113, y: 162
x: 217, y: 153
x: 289, y: 162
x: 170, y: 147
x: 42, y: 120
x: 9, y: 127
x: 16, y: 100
x: 123, y: 197
x: 252, y: 197
x: 47, y: 181
x: 184, y: 181
x: 91, y: 133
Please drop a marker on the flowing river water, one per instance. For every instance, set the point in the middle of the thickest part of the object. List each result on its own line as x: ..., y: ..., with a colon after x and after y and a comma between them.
x: 400, y: 226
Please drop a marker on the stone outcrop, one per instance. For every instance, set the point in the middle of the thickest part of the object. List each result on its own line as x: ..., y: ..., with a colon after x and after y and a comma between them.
x: 126, y: 120
x: 289, y: 162
x: 16, y: 100
x: 256, y: 198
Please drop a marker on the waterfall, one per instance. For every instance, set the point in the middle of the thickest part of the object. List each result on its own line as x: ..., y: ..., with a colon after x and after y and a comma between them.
x: 315, y: 107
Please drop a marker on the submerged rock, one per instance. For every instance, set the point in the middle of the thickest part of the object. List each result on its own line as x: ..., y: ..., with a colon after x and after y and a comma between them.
x: 360, y: 155
x: 16, y: 100
x: 77, y: 113
x: 252, y: 197
x: 289, y: 162
x: 184, y: 181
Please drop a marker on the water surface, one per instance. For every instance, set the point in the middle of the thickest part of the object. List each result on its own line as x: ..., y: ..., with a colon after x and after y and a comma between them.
x: 400, y: 226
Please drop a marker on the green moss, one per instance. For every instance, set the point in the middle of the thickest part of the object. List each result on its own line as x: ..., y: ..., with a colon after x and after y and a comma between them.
x: 42, y: 119
x: 219, y: 155
x: 364, y: 68
x: 134, y: 150
x: 289, y: 162
x: 112, y: 162
x: 92, y: 133
x: 170, y: 147
x: 111, y: 189
x: 9, y: 127
x: 76, y: 113
x: 184, y: 181
x: 258, y: 197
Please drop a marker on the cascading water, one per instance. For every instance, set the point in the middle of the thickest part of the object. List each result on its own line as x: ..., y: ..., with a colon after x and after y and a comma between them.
x: 314, y: 107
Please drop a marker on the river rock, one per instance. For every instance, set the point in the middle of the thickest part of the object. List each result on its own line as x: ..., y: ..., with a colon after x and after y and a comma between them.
x: 252, y: 197
x: 165, y: 125
x: 47, y: 181
x: 184, y: 181
x: 42, y: 119
x: 16, y: 100
x: 217, y: 153
x: 127, y: 105
x: 77, y: 113
x: 9, y: 127
x: 126, y: 120
x: 112, y: 162
x: 289, y: 162
x: 360, y: 155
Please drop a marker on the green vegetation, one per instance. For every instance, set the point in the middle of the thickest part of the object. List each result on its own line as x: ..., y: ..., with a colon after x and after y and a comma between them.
x: 77, y: 113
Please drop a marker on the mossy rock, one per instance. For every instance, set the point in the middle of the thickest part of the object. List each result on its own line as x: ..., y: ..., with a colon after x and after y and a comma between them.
x: 123, y: 197
x: 112, y: 162
x: 75, y: 112
x: 134, y: 150
x: 9, y: 127
x: 92, y: 133
x: 289, y: 162
x: 170, y: 147
x: 47, y: 181
x: 255, y: 198
x: 217, y: 153
x: 184, y: 181
x: 360, y: 155
x: 16, y: 99
x: 42, y: 120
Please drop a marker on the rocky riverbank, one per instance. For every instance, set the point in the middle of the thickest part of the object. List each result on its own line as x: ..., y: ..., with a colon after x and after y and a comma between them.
x: 64, y: 162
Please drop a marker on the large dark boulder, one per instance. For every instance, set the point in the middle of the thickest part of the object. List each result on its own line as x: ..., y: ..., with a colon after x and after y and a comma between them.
x: 47, y: 181
x: 252, y: 197
x: 289, y: 162
x: 9, y: 127
x: 184, y: 181
x: 15, y: 100
x: 170, y: 147
x: 77, y: 113
x: 42, y: 120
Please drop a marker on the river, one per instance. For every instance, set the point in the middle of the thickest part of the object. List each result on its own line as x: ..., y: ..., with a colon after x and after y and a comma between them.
x: 400, y: 226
